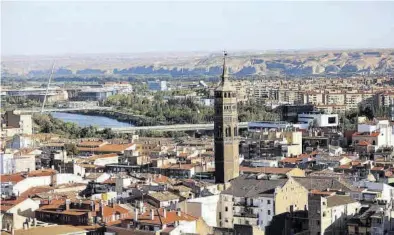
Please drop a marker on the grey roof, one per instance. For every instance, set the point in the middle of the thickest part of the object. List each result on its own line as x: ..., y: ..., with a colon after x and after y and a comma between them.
x: 322, y: 183
x: 250, y: 186
x: 337, y: 200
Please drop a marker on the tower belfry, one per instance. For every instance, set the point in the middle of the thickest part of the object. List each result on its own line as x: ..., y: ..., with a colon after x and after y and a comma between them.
x: 226, y: 129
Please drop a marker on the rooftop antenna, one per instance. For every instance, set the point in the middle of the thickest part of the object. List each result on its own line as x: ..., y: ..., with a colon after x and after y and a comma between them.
x: 46, y: 92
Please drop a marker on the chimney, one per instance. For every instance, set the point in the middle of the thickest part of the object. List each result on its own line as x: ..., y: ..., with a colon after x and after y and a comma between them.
x: 178, y: 212
x: 92, y: 206
x: 101, y: 209
x: 164, y: 213
x: 152, y: 214
x: 136, y: 211
x: 68, y: 202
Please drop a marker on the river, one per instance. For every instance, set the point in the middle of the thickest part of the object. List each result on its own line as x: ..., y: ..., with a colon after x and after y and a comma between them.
x: 89, y: 120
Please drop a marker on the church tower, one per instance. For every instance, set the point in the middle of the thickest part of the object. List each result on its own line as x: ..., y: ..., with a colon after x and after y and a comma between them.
x: 226, y: 130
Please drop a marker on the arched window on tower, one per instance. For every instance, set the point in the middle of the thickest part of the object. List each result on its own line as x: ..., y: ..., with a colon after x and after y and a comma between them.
x: 228, y: 131
x: 235, y: 131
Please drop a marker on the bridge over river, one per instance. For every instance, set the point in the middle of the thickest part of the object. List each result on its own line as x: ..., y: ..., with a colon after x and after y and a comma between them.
x: 176, y: 127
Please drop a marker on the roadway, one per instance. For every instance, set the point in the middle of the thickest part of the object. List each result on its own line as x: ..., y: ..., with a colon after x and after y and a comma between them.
x: 176, y: 127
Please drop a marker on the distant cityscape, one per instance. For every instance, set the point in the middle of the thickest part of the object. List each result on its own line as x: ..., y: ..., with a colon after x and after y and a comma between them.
x: 271, y: 156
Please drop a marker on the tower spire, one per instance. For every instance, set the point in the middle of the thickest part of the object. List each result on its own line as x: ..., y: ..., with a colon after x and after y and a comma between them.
x: 225, y: 70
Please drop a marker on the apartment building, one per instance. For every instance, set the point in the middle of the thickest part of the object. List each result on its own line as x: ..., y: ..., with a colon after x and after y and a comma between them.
x: 253, y: 200
x: 329, y: 212
x: 16, y: 123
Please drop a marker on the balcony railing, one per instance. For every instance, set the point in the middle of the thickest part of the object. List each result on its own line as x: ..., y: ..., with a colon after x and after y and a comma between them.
x: 240, y: 203
x: 245, y: 214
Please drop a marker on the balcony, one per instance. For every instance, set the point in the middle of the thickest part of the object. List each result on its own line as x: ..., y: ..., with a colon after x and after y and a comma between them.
x: 245, y: 215
x: 241, y: 203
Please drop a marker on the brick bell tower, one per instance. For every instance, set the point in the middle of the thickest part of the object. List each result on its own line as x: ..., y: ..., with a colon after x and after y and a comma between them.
x: 226, y: 130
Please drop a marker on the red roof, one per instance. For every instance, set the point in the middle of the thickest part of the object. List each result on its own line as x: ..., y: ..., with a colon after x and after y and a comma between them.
x: 13, y: 178
x: 377, y: 168
x: 367, y: 134
x: 108, y: 148
x: 268, y: 170
x: 291, y: 160
x: 8, y: 204
x: 363, y: 143
x: 158, y: 218
x: 46, y: 172
x: 345, y: 167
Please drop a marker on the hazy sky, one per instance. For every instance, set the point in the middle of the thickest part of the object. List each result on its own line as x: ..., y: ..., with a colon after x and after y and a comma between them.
x: 54, y: 27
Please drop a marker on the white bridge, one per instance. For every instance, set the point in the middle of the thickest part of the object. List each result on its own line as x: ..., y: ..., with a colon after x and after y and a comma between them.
x: 176, y: 127
x: 38, y: 110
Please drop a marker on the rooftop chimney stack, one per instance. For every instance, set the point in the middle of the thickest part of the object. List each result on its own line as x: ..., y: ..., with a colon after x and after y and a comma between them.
x: 92, y: 206
x: 152, y: 214
x: 68, y: 202
x: 136, y: 211
x: 164, y: 213
x: 101, y: 209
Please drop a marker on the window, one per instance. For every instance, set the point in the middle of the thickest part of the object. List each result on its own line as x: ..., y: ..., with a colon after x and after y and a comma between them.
x: 318, y: 222
x: 226, y: 208
x: 332, y: 120
x: 228, y: 131
x: 220, y: 215
x: 268, y: 201
x: 269, y: 212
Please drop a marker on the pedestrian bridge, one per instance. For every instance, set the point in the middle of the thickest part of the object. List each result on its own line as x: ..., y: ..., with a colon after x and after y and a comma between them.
x: 48, y: 110
x: 176, y: 127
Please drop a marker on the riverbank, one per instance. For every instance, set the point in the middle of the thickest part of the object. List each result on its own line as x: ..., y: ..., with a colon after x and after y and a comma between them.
x: 83, y: 120
x: 135, y: 120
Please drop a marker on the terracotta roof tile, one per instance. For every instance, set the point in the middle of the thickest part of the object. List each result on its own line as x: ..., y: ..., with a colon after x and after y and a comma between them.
x: 268, y: 170
x: 90, y: 143
x: 345, y: 167
x: 158, y: 218
x: 291, y: 160
x: 8, y: 204
x: 363, y: 143
x: 377, y: 168
x: 367, y: 134
x: 46, y: 172
x: 13, y: 178
x: 109, y: 148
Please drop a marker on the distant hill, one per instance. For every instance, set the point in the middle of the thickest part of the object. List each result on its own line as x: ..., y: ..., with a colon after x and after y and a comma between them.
x: 296, y: 63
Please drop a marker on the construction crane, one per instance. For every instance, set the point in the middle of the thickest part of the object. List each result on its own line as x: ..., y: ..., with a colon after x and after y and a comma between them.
x: 49, y: 83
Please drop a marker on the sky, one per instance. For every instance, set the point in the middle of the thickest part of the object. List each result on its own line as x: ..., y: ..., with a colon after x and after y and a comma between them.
x: 76, y: 27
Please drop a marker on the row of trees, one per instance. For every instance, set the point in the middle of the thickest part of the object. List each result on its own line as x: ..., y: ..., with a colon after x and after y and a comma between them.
x: 46, y: 123
x: 19, y: 102
x: 171, y: 111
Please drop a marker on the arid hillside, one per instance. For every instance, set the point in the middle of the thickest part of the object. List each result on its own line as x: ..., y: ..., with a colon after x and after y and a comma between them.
x: 200, y: 63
